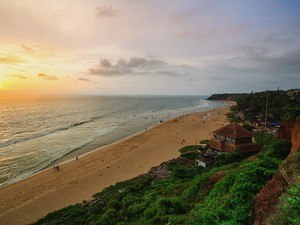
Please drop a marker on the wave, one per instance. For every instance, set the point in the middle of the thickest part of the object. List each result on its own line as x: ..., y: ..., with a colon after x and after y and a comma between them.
x: 47, y: 132
x: 44, y: 161
x: 165, y: 113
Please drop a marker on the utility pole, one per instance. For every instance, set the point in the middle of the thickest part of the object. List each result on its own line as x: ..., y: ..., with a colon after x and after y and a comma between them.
x: 266, y: 117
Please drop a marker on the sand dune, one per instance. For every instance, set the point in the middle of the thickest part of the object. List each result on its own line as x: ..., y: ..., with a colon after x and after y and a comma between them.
x: 26, y: 201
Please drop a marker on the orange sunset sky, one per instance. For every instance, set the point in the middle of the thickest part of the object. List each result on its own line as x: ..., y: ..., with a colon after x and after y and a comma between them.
x: 148, y: 47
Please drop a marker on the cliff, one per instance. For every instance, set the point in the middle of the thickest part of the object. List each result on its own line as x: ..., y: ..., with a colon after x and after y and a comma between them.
x: 266, y: 201
x: 295, y: 137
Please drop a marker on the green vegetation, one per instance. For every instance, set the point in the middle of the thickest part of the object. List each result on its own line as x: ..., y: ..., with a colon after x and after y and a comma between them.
x: 281, y: 105
x: 187, y: 195
x: 229, y: 202
x: 204, y: 142
x: 291, y: 113
x: 289, y: 207
x: 189, y: 152
x: 233, y: 115
x: 271, y: 146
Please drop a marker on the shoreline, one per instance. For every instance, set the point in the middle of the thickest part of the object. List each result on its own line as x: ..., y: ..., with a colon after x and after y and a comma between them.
x: 77, y: 180
x: 67, y: 158
x: 70, y: 156
x: 123, y: 139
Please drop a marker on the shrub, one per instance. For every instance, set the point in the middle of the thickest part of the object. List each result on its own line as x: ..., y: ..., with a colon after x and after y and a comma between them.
x: 204, y: 142
x: 195, y: 186
x: 110, y: 217
x: 190, y: 155
x: 188, y: 149
x: 74, y: 214
x: 136, y: 209
x: 263, y: 139
x: 229, y: 202
x: 227, y: 158
x: 232, y: 116
x: 289, y: 207
x: 180, y: 171
x: 291, y: 113
x: 151, y: 211
x: 172, y: 205
x: 280, y: 149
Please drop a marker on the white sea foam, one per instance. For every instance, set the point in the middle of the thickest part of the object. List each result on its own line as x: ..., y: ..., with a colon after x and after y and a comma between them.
x: 36, y: 133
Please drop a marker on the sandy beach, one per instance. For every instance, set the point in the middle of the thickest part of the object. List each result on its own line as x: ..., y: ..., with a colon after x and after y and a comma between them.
x: 26, y: 201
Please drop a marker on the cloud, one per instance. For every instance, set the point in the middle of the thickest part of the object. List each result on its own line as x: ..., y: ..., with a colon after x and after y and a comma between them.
x: 16, y: 76
x: 42, y: 75
x: 256, y: 67
x: 47, y: 77
x: 83, y: 79
x: 10, y: 60
x: 27, y: 48
x: 135, y: 65
x: 286, y: 64
x: 22, y: 77
x: 105, y: 63
x: 110, y: 72
x: 105, y: 11
x: 261, y: 60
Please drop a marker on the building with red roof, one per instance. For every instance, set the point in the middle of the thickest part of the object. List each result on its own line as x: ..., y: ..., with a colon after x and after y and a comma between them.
x: 231, y: 138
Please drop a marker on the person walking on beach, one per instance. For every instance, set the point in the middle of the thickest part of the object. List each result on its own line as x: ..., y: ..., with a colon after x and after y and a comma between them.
x: 57, y: 167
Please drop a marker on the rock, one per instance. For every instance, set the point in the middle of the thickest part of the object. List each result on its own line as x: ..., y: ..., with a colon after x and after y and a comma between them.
x: 216, y: 177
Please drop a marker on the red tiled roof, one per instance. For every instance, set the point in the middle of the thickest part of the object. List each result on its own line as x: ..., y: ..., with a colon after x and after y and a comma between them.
x: 233, y: 130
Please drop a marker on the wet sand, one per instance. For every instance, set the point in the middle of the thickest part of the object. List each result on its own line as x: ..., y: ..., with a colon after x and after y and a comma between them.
x: 26, y: 201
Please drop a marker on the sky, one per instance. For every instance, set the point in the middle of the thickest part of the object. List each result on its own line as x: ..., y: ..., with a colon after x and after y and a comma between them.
x: 148, y: 47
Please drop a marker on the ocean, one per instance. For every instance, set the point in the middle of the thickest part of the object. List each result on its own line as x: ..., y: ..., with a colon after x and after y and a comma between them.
x: 38, y: 132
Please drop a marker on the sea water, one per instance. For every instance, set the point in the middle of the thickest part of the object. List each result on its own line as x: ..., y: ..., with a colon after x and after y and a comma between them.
x: 36, y: 132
